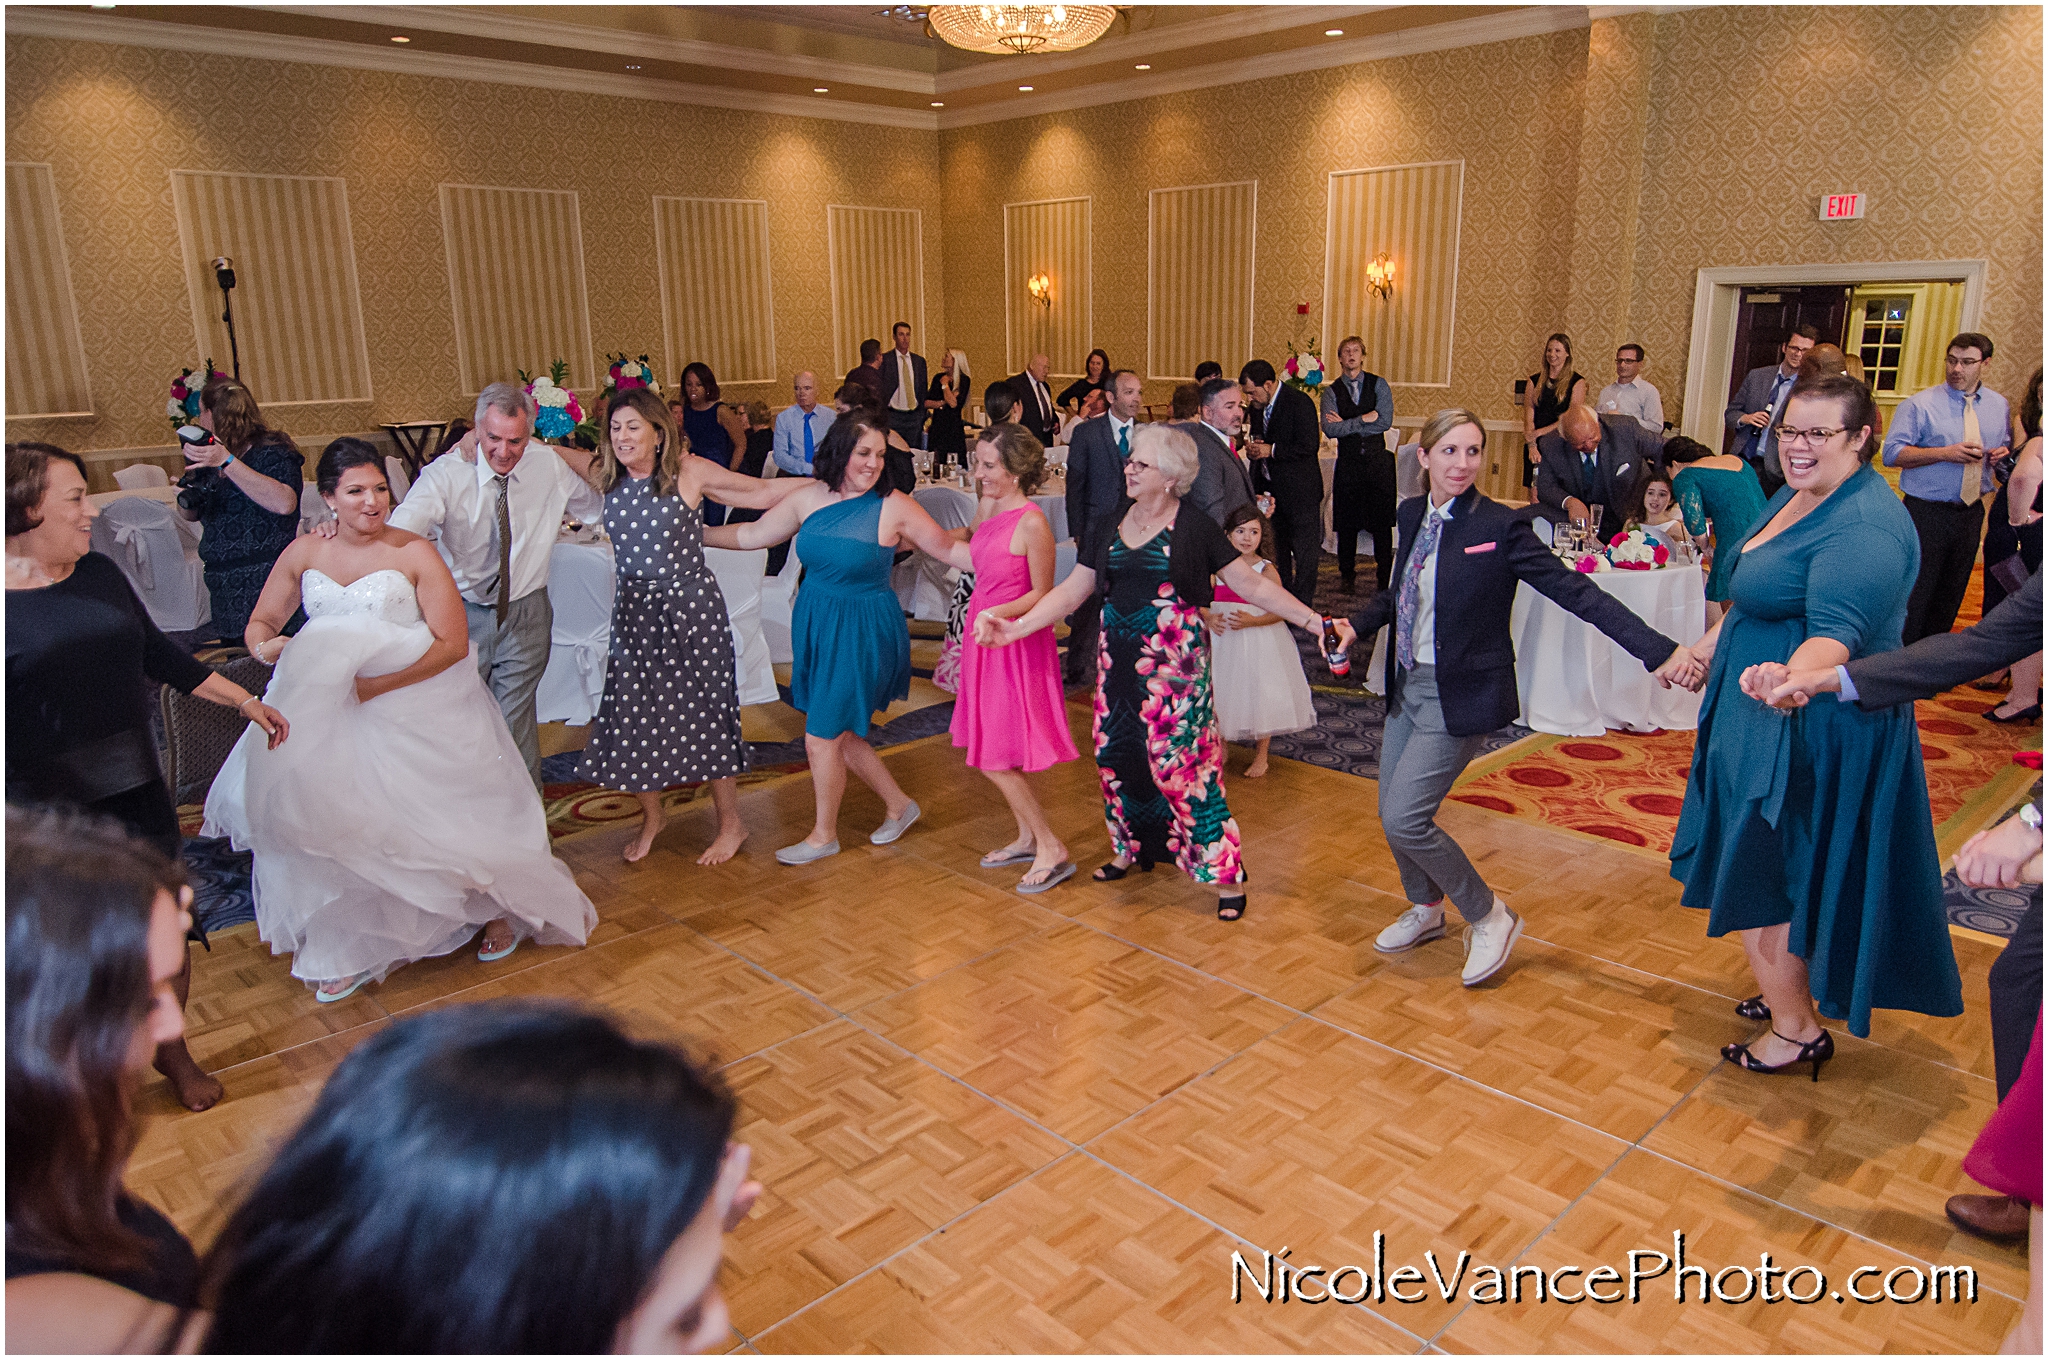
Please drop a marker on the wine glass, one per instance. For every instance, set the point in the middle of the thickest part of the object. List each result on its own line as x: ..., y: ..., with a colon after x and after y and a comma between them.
x: 1593, y: 521
x: 923, y: 458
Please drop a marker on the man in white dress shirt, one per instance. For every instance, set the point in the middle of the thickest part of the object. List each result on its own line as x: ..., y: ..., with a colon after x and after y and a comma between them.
x: 1630, y: 394
x: 495, y: 520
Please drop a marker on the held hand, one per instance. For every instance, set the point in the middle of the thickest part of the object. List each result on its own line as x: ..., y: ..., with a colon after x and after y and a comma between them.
x: 1758, y: 681
x: 1996, y: 858
x: 1680, y: 668
x: 465, y: 447
x: 1795, y: 688
x: 1346, y: 634
x: 270, y: 720
x: 990, y: 631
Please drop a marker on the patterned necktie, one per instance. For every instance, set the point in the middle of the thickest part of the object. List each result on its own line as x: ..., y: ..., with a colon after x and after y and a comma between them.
x: 1123, y: 443
x: 810, y: 441
x: 1973, y: 433
x: 1767, y: 437
x: 1409, y: 602
x: 504, y: 602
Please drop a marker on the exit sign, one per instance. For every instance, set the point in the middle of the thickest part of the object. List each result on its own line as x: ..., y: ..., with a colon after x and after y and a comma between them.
x: 1841, y: 207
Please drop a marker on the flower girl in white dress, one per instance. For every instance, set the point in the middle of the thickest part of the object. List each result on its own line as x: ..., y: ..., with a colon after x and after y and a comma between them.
x: 400, y: 817
x: 1259, y: 687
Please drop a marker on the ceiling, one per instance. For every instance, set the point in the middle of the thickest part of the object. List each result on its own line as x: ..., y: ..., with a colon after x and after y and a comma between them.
x: 849, y: 62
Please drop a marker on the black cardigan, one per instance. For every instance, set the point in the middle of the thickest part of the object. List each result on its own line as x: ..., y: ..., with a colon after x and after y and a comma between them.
x: 1200, y: 550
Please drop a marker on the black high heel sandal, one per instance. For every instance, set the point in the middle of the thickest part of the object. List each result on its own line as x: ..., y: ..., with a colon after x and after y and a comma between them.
x: 1112, y: 871
x: 1753, y: 1009
x: 1816, y: 1052
x: 2029, y: 714
x: 1230, y: 908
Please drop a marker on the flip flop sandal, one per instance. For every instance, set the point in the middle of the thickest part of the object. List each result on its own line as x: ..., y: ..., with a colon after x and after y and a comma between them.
x: 996, y: 859
x: 1061, y: 872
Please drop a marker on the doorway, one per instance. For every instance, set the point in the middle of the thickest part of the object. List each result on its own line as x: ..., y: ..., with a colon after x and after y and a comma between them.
x: 1767, y: 314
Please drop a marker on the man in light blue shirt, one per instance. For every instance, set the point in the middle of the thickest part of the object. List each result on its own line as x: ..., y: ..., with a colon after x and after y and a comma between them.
x: 800, y: 429
x: 1943, y: 441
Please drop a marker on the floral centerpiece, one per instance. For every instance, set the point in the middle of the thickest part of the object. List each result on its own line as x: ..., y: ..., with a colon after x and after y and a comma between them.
x: 183, y: 407
x: 559, y: 413
x: 1635, y: 550
x: 627, y: 374
x: 1304, y: 367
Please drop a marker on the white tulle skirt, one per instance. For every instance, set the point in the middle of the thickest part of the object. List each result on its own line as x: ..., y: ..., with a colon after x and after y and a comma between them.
x: 389, y: 831
x: 1260, y: 688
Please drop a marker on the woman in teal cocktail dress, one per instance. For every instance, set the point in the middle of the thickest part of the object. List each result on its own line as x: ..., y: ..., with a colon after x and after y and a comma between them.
x: 1718, y: 489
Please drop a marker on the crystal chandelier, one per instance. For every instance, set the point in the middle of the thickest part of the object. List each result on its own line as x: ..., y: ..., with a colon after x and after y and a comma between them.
x: 1001, y: 29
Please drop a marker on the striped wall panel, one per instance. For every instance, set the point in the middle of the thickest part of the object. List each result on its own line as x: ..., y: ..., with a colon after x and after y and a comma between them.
x: 717, y: 304
x: 298, y: 313
x: 45, y: 354
x: 1411, y: 212
x: 1051, y: 237
x: 515, y: 274
x: 1199, y: 293
x: 877, y: 262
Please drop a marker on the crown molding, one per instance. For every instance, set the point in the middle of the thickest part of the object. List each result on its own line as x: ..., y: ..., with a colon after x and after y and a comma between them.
x: 1527, y: 23
x: 95, y: 26
x: 503, y: 27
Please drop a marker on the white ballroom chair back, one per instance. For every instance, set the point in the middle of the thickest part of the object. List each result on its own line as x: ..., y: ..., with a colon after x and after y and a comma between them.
x: 741, y: 579
x: 923, y: 584
x: 137, y: 476
x: 312, y: 509
x: 581, y: 582
x: 395, y: 474
x: 162, y: 564
x: 778, y: 607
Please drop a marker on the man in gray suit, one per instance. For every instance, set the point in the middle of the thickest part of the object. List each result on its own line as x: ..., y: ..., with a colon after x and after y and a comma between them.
x: 1223, y: 483
x: 1754, y: 413
x: 1095, y: 485
x: 1591, y: 459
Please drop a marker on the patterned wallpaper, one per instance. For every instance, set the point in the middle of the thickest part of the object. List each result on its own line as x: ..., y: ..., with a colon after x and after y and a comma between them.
x: 114, y: 120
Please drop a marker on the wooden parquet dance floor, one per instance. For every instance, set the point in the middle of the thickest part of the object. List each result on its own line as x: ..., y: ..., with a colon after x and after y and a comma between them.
x: 988, y: 1122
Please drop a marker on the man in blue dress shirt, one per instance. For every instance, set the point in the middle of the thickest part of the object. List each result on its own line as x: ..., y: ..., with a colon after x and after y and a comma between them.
x: 800, y: 429
x: 1943, y: 441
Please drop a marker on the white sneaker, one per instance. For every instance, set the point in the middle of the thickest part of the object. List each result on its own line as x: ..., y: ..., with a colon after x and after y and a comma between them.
x: 1489, y: 942
x: 1418, y: 925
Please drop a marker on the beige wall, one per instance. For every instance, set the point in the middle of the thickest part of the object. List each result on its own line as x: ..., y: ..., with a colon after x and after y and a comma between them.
x: 115, y: 120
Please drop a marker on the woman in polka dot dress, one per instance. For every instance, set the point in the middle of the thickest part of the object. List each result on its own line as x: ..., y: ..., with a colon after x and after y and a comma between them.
x: 671, y: 712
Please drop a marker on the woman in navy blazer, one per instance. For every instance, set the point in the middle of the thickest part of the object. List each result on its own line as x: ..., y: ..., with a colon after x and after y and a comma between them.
x: 1451, y: 676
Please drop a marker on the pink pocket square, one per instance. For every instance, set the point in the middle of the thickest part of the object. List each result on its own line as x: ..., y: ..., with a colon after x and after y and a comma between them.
x: 1482, y: 547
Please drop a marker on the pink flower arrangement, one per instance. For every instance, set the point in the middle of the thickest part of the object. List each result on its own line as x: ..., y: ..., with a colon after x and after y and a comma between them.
x: 1634, y: 550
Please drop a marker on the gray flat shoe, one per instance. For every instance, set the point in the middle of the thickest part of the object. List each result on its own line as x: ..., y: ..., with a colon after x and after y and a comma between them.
x: 892, y: 830
x: 803, y: 852
x: 1060, y: 873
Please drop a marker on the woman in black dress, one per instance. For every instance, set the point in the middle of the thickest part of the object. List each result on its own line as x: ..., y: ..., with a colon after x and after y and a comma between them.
x: 946, y: 435
x: 243, y: 490
x: 80, y: 648
x: 1096, y: 379
x: 96, y: 926
x: 1550, y: 393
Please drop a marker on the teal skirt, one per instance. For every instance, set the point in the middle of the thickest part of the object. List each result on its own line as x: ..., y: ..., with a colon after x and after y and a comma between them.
x: 850, y: 659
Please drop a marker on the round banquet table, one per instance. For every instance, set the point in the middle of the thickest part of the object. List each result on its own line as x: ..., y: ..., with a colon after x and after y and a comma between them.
x: 1575, y: 681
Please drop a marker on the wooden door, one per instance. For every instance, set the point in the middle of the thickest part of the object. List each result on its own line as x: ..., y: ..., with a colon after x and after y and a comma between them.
x: 1767, y: 315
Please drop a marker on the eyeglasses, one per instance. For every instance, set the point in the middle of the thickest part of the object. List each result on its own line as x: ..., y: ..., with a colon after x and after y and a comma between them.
x: 1134, y: 463
x: 1954, y: 362
x: 1788, y: 435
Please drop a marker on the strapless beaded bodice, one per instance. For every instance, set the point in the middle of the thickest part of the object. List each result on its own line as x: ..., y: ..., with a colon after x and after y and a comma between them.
x: 386, y: 594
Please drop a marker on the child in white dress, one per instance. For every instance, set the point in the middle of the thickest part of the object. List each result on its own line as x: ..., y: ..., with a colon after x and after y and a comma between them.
x: 1259, y: 686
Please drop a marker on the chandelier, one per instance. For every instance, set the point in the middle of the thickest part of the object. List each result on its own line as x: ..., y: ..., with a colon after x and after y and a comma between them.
x: 1001, y: 29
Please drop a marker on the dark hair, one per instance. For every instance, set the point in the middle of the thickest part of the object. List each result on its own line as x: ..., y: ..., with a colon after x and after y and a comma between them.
x: 28, y: 481
x: 1115, y: 374
x: 870, y: 350
x: 1633, y: 512
x: 1249, y: 513
x: 998, y: 400
x: 1023, y: 457
x: 1640, y: 355
x: 1806, y: 330
x: 1859, y: 409
x: 1560, y: 386
x: 80, y: 892
x: 836, y: 449
x: 705, y: 377
x: 344, y: 453
x: 1208, y: 369
x: 1971, y: 340
x: 858, y: 396
x: 1187, y: 401
x: 457, y: 428
x: 489, y: 1178
x: 1216, y: 387
x: 1093, y: 355
x: 606, y: 471
x: 899, y: 326
x: 237, y: 420
x: 2030, y: 407
x: 1679, y: 449
x: 1258, y: 373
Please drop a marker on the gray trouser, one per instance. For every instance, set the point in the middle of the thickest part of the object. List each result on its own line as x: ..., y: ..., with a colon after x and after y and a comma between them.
x: 1419, y: 761
x: 511, y: 658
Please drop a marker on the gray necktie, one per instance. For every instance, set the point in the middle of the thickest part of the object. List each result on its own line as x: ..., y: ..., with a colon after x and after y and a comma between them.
x: 504, y: 603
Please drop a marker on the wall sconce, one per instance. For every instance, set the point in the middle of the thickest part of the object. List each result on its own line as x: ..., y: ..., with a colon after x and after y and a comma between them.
x: 1379, y: 275
x: 1040, y: 288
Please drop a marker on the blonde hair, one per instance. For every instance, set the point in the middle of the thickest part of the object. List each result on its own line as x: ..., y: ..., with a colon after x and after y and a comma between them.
x: 606, y: 470
x: 1173, y: 454
x: 1444, y: 421
x: 1022, y: 455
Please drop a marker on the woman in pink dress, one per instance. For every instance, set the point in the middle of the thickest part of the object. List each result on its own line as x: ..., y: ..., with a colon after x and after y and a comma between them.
x: 1012, y: 715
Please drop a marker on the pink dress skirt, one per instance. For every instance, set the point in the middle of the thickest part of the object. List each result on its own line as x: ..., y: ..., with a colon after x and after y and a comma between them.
x: 1011, y: 713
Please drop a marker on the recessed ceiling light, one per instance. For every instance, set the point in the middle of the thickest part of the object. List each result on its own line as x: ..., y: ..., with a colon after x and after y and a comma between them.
x: 401, y: 40
x: 1333, y: 33
x: 1144, y: 66
x: 938, y: 103
x: 632, y: 68
x: 820, y: 89
x: 1023, y: 89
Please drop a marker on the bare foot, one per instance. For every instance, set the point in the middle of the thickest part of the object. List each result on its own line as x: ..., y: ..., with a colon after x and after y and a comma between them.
x: 650, y: 827
x: 1049, y: 859
x: 1257, y: 769
x: 196, y: 1090
x: 498, y: 936
x: 728, y: 844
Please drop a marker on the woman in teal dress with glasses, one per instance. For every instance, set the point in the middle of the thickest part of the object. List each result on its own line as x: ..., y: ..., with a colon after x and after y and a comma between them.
x: 1808, y: 830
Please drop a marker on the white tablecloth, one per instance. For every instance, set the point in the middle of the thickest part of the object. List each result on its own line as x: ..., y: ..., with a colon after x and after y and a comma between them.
x: 1574, y: 681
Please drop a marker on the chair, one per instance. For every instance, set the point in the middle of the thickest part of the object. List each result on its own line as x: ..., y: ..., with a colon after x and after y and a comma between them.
x: 581, y: 582
x: 312, y: 509
x: 778, y: 607
x: 394, y: 473
x: 198, y: 733
x: 143, y: 536
x: 741, y: 580
x: 136, y: 476
x: 923, y: 584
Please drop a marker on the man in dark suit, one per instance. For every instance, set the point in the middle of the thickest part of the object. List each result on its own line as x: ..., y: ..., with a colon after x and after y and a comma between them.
x: 1223, y: 483
x: 1096, y: 451
x: 1937, y: 662
x: 1035, y: 411
x: 903, y: 385
x: 1591, y: 459
x: 1753, y: 415
x: 1285, y: 445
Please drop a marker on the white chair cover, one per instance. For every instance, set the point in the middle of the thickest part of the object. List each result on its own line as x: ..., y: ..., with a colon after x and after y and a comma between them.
x: 741, y: 580
x: 581, y: 582
x: 394, y: 473
x: 139, y: 475
x: 778, y: 605
x: 312, y: 510
x: 923, y: 584
x: 142, y: 535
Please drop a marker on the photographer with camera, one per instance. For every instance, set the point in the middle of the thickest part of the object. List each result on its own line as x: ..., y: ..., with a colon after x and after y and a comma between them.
x: 241, y: 484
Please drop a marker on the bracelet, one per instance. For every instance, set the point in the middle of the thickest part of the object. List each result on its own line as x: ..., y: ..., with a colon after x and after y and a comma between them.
x: 252, y: 699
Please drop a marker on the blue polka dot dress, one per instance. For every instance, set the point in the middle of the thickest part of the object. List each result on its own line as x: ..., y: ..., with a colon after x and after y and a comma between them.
x: 671, y: 711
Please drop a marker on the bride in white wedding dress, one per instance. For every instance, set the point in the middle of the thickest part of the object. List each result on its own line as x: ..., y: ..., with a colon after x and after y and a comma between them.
x: 400, y: 817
